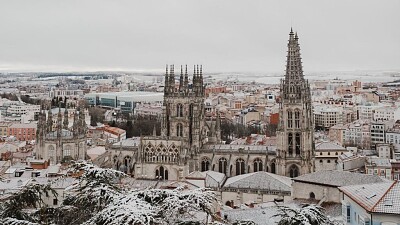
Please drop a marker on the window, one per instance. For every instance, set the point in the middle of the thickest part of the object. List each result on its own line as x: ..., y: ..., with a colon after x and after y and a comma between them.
x: 205, y: 164
x: 294, y: 171
x: 297, y: 119
x: 348, y: 211
x: 161, y: 173
x: 273, y: 167
x: 290, y: 125
x: 179, y: 110
x: 222, y: 164
x: 258, y: 165
x: 55, y: 201
x: 179, y: 130
x: 298, y: 143
x: 240, y: 167
x: 290, y: 143
x: 67, y: 151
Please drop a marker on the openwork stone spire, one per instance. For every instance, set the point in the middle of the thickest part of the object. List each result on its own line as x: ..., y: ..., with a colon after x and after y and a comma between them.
x: 295, y: 147
x: 294, y: 86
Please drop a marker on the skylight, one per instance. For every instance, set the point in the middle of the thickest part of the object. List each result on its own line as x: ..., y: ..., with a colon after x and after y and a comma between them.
x: 371, y: 195
x: 388, y: 202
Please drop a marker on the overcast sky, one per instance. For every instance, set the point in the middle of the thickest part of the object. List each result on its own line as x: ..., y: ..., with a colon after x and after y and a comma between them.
x: 223, y: 35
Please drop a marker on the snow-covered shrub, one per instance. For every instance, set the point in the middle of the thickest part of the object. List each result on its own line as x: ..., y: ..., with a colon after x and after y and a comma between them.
x: 307, y: 215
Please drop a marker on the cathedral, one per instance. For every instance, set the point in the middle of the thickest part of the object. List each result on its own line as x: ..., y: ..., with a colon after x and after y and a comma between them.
x: 188, y: 142
x: 56, y: 141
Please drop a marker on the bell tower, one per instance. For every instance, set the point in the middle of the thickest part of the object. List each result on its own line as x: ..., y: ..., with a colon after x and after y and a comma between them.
x: 295, y: 134
x: 183, y: 111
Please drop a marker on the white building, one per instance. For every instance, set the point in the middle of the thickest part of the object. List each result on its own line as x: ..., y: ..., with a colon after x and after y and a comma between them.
x: 327, y: 116
x: 393, y: 136
x: 383, y: 114
x: 371, y: 204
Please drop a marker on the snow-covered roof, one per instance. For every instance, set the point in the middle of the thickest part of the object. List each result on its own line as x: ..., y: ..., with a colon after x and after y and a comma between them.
x: 96, y: 151
x: 13, y: 183
x: 260, y: 216
x: 379, y: 197
x: 250, y: 148
x: 129, y: 142
x: 328, y: 146
x: 338, y: 178
x: 263, y: 181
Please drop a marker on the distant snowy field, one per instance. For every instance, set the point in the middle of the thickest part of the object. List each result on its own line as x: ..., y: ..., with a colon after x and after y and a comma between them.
x: 274, y: 78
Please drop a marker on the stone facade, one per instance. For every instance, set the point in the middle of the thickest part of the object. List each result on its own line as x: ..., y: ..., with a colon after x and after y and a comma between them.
x: 295, y: 147
x: 191, y: 142
x: 61, y: 144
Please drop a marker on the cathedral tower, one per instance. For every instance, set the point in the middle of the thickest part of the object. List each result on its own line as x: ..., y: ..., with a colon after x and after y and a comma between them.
x: 295, y: 134
x: 175, y: 153
x: 183, y: 109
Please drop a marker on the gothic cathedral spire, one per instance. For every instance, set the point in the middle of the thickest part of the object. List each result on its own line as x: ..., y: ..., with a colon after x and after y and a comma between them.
x: 295, y: 149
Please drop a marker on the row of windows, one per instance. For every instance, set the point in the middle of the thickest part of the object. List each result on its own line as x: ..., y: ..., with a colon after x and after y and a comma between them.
x: 161, y: 154
x: 240, y: 165
x: 296, y: 119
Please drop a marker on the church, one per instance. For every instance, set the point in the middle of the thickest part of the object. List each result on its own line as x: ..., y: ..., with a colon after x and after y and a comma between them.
x: 189, y: 143
x: 56, y: 141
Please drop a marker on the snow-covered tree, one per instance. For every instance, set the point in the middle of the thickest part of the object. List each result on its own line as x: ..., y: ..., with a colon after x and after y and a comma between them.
x: 306, y: 215
x: 12, y: 221
x: 23, y: 205
x: 95, y: 190
x: 126, y: 209
x: 178, y: 204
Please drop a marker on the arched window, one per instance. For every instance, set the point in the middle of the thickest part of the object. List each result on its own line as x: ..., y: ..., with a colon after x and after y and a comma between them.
x: 273, y: 167
x: 174, y: 154
x: 51, y: 153
x: 67, y: 151
x: 179, y: 110
x: 116, y: 162
x: 161, y: 173
x: 298, y: 143
x: 127, y: 163
x: 179, y: 130
x: 297, y: 119
x: 222, y: 164
x: 258, y: 165
x: 290, y: 143
x: 240, y: 168
x: 191, y: 116
x: 293, y: 171
x: 149, y: 153
x: 290, y: 119
x: 205, y: 164
x: 312, y: 195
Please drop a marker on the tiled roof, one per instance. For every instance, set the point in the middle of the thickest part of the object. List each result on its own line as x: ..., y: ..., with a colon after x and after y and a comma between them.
x: 259, y: 181
x: 390, y: 203
x: 338, y: 178
x: 379, y: 197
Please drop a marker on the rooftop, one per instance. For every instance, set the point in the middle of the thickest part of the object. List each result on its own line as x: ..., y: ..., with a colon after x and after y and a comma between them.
x: 329, y: 146
x: 379, y: 197
x: 338, y: 178
x: 259, y: 181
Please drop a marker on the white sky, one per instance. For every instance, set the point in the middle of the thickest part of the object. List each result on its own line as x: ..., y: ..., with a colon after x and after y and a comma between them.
x: 223, y: 35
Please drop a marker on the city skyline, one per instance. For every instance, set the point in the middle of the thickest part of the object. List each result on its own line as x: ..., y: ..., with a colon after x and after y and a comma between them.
x: 225, y: 36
